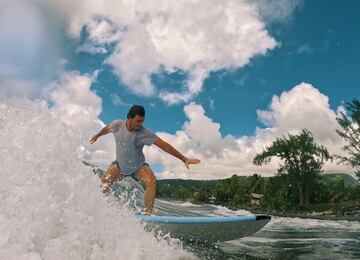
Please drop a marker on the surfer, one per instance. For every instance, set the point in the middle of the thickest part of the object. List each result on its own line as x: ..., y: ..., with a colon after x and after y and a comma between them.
x: 130, y: 138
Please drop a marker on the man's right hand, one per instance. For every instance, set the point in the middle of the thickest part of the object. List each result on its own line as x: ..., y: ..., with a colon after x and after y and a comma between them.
x: 94, y: 138
x: 107, y: 129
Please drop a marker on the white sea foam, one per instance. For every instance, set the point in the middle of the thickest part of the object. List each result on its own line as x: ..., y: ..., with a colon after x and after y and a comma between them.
x: 224, y: 211
x: 188, y: 208
x: 282, y: 223
x: 51, y: 206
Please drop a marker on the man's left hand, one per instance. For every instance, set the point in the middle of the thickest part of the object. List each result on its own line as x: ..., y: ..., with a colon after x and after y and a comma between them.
x: 191, y: 161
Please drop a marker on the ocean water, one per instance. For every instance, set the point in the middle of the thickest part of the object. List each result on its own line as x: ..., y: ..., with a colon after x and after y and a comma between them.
x: 51, y: 207
x: 281, y: 238
x: 297, y: 238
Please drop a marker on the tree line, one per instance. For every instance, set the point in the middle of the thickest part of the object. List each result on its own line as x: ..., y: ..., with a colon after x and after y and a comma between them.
x: 277, y: 193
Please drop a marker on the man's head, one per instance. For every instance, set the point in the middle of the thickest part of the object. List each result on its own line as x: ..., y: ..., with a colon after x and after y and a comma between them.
x: 136, y: 117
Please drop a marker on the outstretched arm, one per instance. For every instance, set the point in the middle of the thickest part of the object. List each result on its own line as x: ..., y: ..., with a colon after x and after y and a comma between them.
x: 107, y: 129
x: 171, y: 150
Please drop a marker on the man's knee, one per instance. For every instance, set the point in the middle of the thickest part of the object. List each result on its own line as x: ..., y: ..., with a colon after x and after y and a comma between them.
x: 111, y: 175
x: 105, y: 178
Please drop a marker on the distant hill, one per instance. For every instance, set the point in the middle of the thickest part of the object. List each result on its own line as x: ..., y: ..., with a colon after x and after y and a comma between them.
x: 348, y: 180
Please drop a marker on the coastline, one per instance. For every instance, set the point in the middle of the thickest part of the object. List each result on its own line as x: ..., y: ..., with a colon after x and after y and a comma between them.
x: 305, y: 215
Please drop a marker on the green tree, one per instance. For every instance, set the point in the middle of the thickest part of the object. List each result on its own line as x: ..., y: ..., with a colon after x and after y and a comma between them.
x: 303, y: 160
x: 164, y: 190
x: 227, y: 188
x: 276, y: 193
x: 256, y: 183
x: 242, y: 194
x: 181, y: 193
x: 322, y: 192
x: 350, y: 131
x: 202, y: 195
x: 337, y: 188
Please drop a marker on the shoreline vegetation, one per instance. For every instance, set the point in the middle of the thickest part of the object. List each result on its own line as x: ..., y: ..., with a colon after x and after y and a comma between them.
x: 337, y: 196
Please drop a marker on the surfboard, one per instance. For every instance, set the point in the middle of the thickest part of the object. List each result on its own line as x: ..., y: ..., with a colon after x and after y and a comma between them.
x: 186, y: 227
x: 204, y: 228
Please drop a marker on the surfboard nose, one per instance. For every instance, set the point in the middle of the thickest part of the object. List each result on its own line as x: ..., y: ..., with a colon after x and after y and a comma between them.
x: 263, y: 217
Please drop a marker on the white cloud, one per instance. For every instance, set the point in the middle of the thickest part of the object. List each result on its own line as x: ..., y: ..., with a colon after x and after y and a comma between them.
x: 213, y: 36
x: 196, y: 37
x: 73, y: 100
x: 101, y: 33
x: 90, y: 48
x: 277, y: 10
x: 74, y: 103
x: 301, y: 107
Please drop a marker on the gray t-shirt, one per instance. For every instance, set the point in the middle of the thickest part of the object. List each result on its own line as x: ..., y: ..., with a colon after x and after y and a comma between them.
x: 129, y: 146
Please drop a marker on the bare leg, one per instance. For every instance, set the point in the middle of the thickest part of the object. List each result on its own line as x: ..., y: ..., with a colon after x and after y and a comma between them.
x: 145, y: 175
x: 111, y: 175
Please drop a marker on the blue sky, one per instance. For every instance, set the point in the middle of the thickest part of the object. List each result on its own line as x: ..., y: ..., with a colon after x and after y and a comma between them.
x: 237, y: 71
x: 318, y: 45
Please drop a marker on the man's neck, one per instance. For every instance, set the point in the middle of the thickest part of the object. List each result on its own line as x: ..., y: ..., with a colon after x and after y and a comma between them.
x: 127, y: 124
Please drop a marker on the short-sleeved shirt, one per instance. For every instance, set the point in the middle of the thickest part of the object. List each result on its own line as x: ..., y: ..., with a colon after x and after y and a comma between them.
x: 129, y: 146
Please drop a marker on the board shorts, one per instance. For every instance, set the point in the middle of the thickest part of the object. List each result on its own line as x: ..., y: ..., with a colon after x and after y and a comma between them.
x: 115, y: 163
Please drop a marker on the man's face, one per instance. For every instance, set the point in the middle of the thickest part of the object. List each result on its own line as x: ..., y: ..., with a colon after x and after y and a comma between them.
x: 136, y: 122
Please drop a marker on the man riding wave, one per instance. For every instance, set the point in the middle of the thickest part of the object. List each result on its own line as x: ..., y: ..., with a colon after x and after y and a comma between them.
x: 130, y: 138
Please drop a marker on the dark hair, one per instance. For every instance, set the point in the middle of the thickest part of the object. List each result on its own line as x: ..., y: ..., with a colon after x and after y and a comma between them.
x: 136, y: 110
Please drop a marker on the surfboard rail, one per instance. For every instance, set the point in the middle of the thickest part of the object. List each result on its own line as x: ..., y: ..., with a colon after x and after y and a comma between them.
x: 205, y: 228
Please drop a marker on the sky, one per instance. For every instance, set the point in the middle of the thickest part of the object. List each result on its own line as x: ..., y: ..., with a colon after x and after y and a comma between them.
x: 219, y: 80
